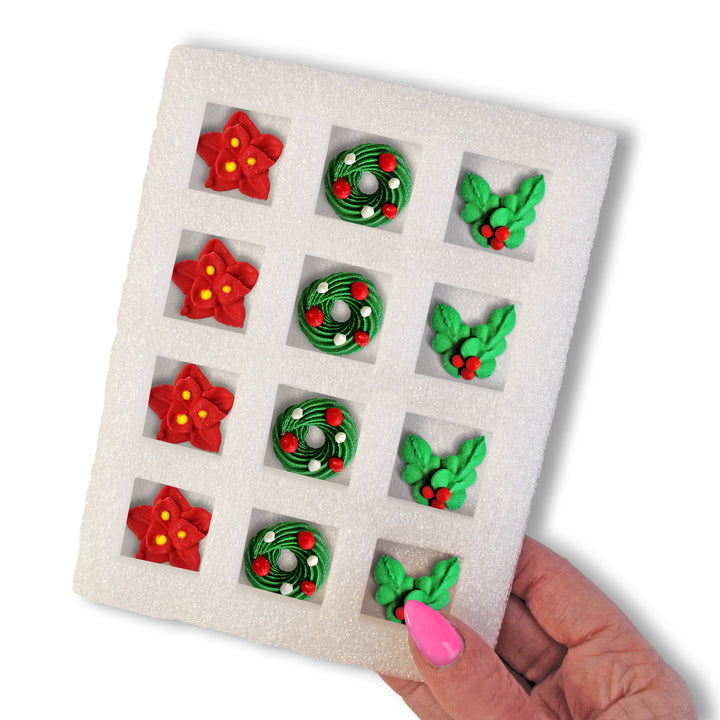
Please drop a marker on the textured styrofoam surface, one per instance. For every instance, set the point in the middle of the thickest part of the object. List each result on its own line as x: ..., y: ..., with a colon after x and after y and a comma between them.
x: 397, y: 386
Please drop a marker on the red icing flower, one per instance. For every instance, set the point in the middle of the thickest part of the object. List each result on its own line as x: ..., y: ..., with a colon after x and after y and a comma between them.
x: 239, y: 157
x: 215, y: 285
x: 170, y: 529
x: 191, y: 409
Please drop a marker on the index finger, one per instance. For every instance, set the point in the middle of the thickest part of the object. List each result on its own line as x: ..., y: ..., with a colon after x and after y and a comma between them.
x: 569, y: 607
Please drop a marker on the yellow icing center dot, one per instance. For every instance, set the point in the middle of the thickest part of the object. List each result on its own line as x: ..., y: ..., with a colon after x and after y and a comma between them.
x: 181, y: 419
x: 165, y: 515
x: 203, y: 414
x: 231, y: 166
x: 206, y: 294
x: 182, y: 534
x: 235, y: 142
x: 251, y: 161
x: 210, y: 269
x: 160, y: 539
x: 186, y: 395
x: 226, y: 289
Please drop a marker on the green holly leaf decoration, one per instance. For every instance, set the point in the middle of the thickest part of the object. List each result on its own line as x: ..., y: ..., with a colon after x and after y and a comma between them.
x: 396, y: 588
x: 419, y: 459
x: 510, y: 214
x: 483, y: 343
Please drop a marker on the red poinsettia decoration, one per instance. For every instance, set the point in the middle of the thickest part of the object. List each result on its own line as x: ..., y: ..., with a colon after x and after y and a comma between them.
x: 170, y: 529
x: 239, y: 157
x: 191, y: 409
x: 215, y: 285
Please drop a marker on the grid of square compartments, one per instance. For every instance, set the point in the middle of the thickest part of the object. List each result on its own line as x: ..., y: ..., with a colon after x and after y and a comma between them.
x: 382, y: 486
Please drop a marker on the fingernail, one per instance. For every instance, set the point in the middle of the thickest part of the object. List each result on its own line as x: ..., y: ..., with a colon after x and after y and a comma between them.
x: 435, y: 638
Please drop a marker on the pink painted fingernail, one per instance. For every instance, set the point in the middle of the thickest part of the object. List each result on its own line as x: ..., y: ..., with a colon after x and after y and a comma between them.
x: 435, y: 638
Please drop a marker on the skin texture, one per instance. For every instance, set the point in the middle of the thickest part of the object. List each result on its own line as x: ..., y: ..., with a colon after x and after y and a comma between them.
x: 564, y: 651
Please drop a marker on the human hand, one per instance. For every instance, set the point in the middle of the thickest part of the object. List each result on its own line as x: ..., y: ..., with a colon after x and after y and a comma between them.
x: 564, y: 651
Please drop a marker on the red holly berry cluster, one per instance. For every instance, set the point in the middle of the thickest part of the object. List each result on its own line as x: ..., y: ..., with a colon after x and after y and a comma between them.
x: 437, y: 498
x: 496, y: 236
x: 467, y: 366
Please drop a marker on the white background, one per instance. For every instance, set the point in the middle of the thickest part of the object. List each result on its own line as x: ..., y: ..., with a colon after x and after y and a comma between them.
x: 628, y: 490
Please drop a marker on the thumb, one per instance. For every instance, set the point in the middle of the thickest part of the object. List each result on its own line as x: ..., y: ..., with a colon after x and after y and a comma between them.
x: 463, y: 672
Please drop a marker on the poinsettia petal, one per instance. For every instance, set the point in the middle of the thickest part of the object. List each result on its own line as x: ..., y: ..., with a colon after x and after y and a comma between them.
x: 229, y: 289
x: 199, y: 517
x: 157, y: 539
x: 220, y: 182
x: 205, y: 414
x: 270, y: 145
x: 257, y: 186
x: 246, y: 273
x: 237, y: 133
x: 161, y: 397
x: 207, y: 439
x: 139, y: 519
x: 209, y: 146
x: 210, y: 265
x: 242, y: 119
x: 196, y: 374
x: 179, y: 419
x: 220, y: 397
x: 165, y: 511
x: 194, y: 311
x: 169, y: 491
x: 184, y: 535
x: 232, y: 315
x: 183, y: 274
x: 253, y: 161
x: 170, y: 436
x: 186, y: 559
x: 186, y: 391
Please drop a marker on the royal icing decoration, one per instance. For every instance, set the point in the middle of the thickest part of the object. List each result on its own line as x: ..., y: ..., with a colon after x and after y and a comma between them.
x: 470, y: 352
x: 215, y: 285
x: 499, y: 222
x: 336, y: 424
x: 396, y: 588
x: 239, y: 157
x: 305, y: 543
x: 191, y: 409
x: 169, y: 530
x: 342, y: 184
x: 348, y: 336
x: 441, y: 482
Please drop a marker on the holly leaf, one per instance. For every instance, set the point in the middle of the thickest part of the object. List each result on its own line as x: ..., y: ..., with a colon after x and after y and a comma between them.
x: 436, y: 587
x: 472, y: 453
x: 531, y: 191
x: 457, y: 498
x: 487, y: 368
x: 416, y: 451
x: 413, y: 474
x: 393, y: 583
x: 501, y: 217
x: 417, y: 494
x: 501, y: 321
x: 471, y: 346
x: 446, y: 319
x: 477, y: 194
x: 442, y: 478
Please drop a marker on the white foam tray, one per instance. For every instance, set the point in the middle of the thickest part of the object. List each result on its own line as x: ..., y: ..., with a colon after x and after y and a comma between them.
x: 395, y: 386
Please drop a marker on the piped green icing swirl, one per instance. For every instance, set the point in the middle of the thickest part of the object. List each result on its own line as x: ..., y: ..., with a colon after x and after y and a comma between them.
x: 313, y: 564
x: 291, y: 429
x: 366, y: 159
x: 347, y: 336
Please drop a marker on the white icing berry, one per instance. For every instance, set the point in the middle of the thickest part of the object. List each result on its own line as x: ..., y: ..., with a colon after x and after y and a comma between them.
x: 367, y: 211
x: 339, y: 340
x: 312, y: 561
x: 314, y: 465
x: 366, y: 311
x: 323, y: 287
x: 286, y: 588
x: 269, y: 536
x: 297, y: 413
x: 340, y: 438
x: 393, y: 183
x: 350, y: 158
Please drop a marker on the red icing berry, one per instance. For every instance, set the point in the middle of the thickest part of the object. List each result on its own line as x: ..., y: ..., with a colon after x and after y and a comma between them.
x: 438, y: 504
x: 443, y: 494
x: 467, y: 374
x: 359, y: 290
x: 502, y: 233
x: 261, y: 565
x: 336, y: 464
x: 496, y: 244
x: 289, y: 443
x: 457, y: 361
x: 314, y: 316
x: 389, y: 210
x: 341, y: 189
x: 305, y: 539
x: 387, y: 162
x: 361, y: 338
x: 473, y: 363
x: 308, y: 587
x: 486, y: 231
x: 333, y: 416
x: 427, y: 492
x: 400, y: 613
